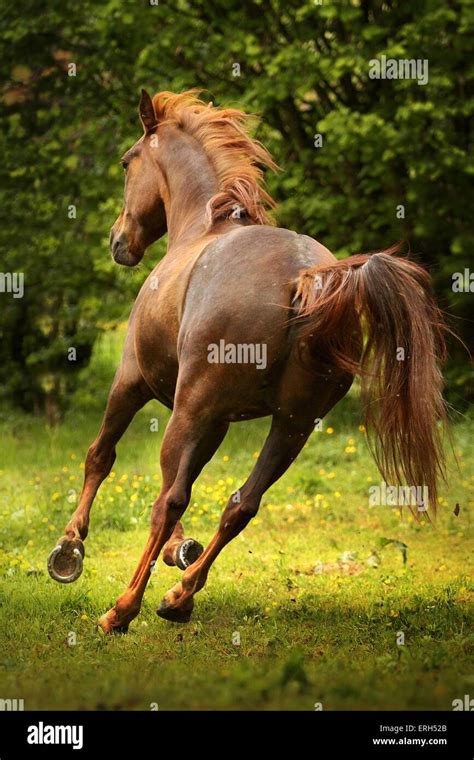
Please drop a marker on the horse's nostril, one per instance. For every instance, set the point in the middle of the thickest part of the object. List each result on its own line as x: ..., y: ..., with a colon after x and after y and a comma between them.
x: 117, y: 244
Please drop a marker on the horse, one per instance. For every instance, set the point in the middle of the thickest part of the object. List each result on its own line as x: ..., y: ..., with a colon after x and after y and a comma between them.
x: 231, y: 279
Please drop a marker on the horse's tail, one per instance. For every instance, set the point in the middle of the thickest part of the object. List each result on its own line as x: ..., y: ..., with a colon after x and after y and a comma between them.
x: 374, y: 315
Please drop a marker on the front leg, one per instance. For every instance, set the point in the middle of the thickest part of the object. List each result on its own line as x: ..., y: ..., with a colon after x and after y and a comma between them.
x: 128, y: 394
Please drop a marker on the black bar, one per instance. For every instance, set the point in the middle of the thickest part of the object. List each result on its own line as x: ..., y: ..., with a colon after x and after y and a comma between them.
x: 117, y: 734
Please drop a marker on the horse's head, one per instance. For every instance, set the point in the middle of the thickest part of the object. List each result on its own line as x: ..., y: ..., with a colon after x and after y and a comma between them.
x: 142, y: 219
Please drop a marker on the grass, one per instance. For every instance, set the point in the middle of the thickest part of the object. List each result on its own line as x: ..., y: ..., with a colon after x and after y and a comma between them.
x: 311, y: 631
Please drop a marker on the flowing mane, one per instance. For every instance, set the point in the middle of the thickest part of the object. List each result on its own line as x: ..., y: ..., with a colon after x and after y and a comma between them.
x: 236, y: 157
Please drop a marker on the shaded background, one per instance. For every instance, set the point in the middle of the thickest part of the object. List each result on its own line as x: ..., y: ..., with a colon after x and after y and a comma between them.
x: 303, y: 68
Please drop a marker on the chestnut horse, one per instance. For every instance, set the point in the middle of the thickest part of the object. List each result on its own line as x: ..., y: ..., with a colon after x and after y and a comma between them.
x: 242, y: 320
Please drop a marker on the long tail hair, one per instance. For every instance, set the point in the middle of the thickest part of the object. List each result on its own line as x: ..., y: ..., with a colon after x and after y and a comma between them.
x: 374, y: 315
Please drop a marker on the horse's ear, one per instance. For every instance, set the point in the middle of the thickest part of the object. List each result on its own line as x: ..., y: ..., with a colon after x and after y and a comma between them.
x: 147, y: 112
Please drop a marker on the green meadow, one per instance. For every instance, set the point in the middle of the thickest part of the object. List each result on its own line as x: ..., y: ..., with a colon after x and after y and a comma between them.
x: 324, y: 601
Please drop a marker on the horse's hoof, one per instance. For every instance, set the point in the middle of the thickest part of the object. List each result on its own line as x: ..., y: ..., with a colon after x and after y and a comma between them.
x: 187, y: 552
x: 174, y: 614
x: 65, y: 561
x: 108, y: 626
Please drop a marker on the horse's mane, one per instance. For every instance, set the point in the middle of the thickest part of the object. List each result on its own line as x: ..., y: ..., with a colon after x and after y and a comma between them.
x: 236, y: 157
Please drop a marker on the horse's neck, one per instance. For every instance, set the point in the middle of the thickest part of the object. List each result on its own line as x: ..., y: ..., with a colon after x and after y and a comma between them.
x: 190, y: 184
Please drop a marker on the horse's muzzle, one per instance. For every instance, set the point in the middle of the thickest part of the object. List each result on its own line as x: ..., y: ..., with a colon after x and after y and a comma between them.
x: 118, y: 246
x: 121, y: 253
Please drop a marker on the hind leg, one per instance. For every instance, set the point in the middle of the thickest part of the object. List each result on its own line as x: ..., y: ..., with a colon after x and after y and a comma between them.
x: 291, y: 427
x: 190, y: 441
x: 283, y: 444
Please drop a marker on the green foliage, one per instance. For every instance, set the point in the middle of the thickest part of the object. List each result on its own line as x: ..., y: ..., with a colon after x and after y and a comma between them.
x: 61, y: 190
x: 304, y: 68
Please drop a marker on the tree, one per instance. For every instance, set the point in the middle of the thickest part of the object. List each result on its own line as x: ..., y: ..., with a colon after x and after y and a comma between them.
x: 365, y: 161
x: 62, y: 186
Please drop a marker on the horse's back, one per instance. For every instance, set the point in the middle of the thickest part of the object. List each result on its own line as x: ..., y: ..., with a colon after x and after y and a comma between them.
x: 249, y: 265
x: 250, y: 272
x: 259, y: 252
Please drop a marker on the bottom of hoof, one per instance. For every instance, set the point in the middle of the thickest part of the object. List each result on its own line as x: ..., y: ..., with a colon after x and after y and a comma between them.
x: 174, y: 614
x: 188, y: 552
x: 65, y: 561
